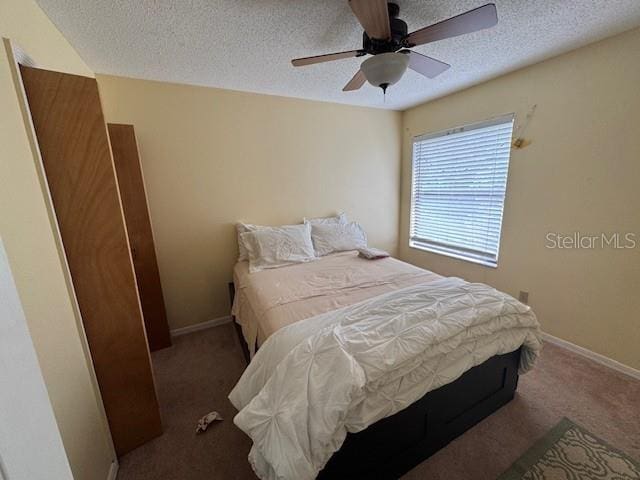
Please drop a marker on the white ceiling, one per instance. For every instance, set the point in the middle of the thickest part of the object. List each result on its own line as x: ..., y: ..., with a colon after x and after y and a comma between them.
x: 248, y: 44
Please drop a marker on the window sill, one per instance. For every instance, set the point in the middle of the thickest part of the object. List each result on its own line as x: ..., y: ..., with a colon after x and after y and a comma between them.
x: 424, y: 248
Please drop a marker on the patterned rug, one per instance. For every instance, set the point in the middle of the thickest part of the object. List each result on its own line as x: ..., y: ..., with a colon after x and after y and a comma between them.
x: 569, y: 452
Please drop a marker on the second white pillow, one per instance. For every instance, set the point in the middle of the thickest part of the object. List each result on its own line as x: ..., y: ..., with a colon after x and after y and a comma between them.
x: 278, y: 246
x: 329, y: 238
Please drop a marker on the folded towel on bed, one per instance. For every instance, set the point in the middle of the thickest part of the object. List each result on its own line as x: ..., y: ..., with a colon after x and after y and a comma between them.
x: 371, y: 253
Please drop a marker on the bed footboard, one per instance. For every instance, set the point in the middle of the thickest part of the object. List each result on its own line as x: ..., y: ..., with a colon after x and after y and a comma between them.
x: 394, y: 445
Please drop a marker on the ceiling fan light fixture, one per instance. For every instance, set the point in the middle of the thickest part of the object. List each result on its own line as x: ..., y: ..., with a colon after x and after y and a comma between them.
x: 385, y: 69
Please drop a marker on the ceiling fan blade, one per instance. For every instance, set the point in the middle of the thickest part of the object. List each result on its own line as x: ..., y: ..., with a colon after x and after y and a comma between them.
x: 300, y: 62
x: 427, y: 66
x: 468, y: 22
x: 373, y: 15
x: 356, y: 82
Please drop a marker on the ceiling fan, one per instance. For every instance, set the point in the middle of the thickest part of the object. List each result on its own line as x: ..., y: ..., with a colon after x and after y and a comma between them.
x: 386, y: 37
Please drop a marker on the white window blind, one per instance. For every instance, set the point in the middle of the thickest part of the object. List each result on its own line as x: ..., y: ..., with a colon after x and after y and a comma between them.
x: 458, y: 189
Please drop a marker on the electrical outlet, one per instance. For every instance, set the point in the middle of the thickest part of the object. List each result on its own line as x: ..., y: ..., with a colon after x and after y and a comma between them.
x: 524, y: 297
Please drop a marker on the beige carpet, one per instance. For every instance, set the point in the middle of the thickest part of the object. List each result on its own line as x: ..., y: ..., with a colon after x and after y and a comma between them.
x: 195, y: 375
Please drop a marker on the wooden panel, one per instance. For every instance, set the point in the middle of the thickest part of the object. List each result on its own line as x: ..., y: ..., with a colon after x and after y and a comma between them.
x: 136, y: 214
x: 73, y: 140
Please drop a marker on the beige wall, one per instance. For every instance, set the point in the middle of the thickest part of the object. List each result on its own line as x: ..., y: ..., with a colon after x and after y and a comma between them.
x: 212, y: 157
x: 580, y: 173
x: 34, y: 255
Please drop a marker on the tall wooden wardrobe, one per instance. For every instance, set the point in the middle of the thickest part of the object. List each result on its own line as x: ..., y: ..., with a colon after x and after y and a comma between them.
x: 76, y: 154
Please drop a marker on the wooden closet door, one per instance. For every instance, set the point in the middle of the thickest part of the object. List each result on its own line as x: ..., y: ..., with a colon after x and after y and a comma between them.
x: 136, y: 214
x: 72, y: 136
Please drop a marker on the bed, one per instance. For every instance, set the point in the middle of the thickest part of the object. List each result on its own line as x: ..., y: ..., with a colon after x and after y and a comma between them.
x: 401, y: 412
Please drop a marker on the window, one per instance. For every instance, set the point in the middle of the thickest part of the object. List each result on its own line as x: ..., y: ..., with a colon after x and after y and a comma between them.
x: 458, y: 189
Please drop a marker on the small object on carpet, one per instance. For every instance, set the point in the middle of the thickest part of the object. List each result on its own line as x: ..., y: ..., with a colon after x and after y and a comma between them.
x: 207, y: 420
x: 568, y: 451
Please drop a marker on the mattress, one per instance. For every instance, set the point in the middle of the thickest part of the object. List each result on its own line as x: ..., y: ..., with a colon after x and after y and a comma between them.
x: 269, y: 300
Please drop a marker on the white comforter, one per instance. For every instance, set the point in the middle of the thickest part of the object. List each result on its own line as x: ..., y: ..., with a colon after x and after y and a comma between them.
x: 316, y: 380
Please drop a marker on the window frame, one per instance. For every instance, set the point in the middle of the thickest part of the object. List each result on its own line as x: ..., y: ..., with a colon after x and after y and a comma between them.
x: 458, y: 251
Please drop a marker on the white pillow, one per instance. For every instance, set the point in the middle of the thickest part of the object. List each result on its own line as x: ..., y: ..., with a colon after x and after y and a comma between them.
x: 242, y: 249
x: 337, y: 237
x: 274, y: 247
x: 340, y: 218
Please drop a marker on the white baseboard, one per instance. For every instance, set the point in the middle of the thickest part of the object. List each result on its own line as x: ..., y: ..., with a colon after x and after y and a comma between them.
x: 201, y: 326
x: 596, y: 357
x: 113, y: 470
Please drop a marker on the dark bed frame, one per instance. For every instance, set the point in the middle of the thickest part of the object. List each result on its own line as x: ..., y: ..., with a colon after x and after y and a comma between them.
x: 394, y: 445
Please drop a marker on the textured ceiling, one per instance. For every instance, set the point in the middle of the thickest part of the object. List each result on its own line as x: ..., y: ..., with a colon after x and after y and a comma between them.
x: 248, y: 44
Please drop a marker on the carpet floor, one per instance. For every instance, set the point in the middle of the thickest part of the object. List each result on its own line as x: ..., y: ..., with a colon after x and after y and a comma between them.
x: 195, y: 375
